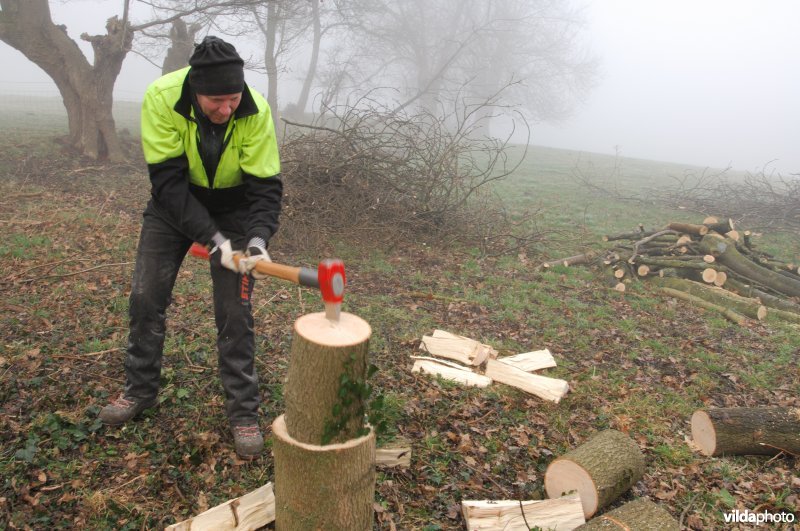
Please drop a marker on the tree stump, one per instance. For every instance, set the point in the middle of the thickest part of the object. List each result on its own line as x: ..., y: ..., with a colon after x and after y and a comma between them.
x: 601, y: 469
x: 747, y: 431
x: 323, y: 487
x: 326, y: 357
x: 638, y: 515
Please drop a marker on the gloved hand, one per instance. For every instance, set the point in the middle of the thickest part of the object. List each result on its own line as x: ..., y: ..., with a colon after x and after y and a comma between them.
x: 222, y: 252
x: 256, y: 252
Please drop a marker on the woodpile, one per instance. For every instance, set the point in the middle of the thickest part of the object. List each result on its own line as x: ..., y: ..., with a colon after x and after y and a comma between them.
x: 711, y: 265
x: 479, y: 365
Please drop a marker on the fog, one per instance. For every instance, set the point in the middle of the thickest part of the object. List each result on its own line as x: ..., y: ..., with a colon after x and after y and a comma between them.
x: 701, y: 82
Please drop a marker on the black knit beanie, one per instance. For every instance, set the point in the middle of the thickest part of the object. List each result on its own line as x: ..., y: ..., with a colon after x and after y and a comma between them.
x: 216, y: 68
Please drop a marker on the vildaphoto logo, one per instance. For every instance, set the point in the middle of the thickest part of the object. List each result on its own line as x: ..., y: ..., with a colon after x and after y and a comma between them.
x: 749, y: 517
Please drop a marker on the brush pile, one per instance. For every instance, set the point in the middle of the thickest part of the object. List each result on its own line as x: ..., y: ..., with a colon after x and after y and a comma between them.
x: 711, y: 265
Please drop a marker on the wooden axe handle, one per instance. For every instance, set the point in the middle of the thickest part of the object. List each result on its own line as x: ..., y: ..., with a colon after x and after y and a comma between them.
x: 299, y: 275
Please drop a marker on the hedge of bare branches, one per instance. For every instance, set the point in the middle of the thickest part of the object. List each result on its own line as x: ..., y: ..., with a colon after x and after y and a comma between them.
x: 373, y: 175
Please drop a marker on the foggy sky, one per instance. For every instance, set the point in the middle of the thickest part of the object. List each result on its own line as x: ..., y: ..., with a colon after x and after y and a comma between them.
x: 701, y: 82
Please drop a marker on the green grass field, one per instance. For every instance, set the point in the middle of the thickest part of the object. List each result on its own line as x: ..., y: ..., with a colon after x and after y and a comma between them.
x: 637, y: 362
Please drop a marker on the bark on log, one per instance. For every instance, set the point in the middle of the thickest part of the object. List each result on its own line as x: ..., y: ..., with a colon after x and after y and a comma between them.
x: 635, y: 235
x: 564, y: 513
x: 749, y: 307
x: 638, y: 515
x: 572, y: 260
x: 720, y: 227
x: 321, y: 353
x: 323, y: 487
x: 725, y: 251
x: 732, y: 316
x: 747, y: 431
x: 767, y: 299
x: 600, y: 470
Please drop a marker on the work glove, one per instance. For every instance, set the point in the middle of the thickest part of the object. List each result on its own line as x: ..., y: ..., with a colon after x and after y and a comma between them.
x: 256, y: 252
x: 222, y: 252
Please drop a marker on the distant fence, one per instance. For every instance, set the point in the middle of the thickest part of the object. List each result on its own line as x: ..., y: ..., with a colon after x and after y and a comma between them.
x: 38, y: 107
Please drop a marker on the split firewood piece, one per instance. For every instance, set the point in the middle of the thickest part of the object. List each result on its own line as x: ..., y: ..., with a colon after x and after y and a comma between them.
x: 462, y: 349
x: 251, y: 511
x: 530, y: 361
x: 563, y: 513
x: 449, y: 372
x: 688, y: 228
x: 396, y: 453
x: 747, y: 431
x: 638, y: 514
x: 552, y: 389
x: 600, y: 470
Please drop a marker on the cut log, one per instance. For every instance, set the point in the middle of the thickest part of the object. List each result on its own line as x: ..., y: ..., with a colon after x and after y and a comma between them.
x: 563, y: 513
x: 721, y: 227
x: 323, y: 487
x: 635, y: 235
x: 620, y: 286
x: 552, y: 389
x: 720, y: 279
x: 619, y: 273
x: 709, y: 275
x: 748, y: 307
x: 600, y: 470
x: 321, y: 353
x: 709, y: 259
x: 643, y: 270
x: 571, y: 260
x: 710, y: 220
x: 767, y: 299
x: 733, y: 235
x: 638, y: 515
x: 727, y: 254
x: 747, y: 431
x: 530, y: 361
x: 448, y: 372
x: 732, y: 316
x: 251, y: 511
x: 688, y: 228
x: 396, y: 453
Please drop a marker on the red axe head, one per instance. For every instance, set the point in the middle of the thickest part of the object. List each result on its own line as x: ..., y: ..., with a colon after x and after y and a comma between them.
x: 331, y: 277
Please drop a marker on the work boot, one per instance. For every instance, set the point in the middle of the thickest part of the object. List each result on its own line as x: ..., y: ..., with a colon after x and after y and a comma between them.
x: 248, y: 441
x: 124, y: 409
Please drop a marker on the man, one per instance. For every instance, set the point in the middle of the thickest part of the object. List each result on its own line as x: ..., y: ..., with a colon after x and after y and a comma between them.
x: 209, y: 142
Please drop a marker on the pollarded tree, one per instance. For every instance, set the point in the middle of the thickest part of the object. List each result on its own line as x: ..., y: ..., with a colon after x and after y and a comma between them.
x: 85, y: 88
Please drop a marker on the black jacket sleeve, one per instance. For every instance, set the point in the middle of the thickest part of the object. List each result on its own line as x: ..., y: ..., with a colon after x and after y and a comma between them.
x: 263, y: 196
x: 170, y: 191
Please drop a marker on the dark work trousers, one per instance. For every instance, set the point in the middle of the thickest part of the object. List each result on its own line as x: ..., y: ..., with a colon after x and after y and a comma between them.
x: 161, y: 251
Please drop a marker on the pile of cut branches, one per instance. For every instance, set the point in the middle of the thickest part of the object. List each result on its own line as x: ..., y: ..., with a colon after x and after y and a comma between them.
x: 711, y: 265
x: 368, y: 173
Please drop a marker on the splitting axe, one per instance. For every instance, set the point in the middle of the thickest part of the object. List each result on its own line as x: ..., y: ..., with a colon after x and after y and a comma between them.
x: 328, y: 278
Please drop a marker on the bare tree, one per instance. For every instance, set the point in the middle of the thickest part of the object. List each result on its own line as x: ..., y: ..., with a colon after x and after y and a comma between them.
x: 87, y: 89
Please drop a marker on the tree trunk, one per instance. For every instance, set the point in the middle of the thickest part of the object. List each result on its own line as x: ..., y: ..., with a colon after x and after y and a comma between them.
x: 182, y: 39
x: 771, y: 301
x: 327, y: 369
x: 271, y: 36
x: 601, y: 470
x: 641, y: 514
x: 302, y: 99
x: 86, y: 90
x: 323, y: 487
x: 726, y: 253
x: 747, y: 431
x: 729, y: 314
